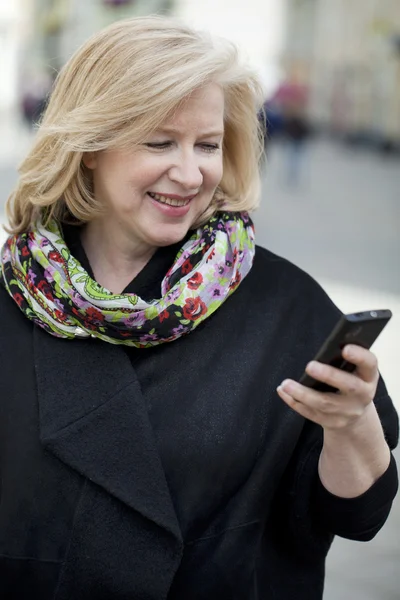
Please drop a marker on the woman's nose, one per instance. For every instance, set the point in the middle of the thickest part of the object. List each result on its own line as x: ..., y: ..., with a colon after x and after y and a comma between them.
x: 187, y: 173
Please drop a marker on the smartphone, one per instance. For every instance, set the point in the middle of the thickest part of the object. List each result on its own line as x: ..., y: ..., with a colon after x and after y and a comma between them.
x: 361, y: 329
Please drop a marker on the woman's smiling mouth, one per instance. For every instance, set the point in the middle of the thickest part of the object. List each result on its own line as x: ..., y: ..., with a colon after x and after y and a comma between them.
x: 171, y: 200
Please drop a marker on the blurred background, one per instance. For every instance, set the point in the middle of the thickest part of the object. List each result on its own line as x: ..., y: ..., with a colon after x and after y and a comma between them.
x: 331, y: 174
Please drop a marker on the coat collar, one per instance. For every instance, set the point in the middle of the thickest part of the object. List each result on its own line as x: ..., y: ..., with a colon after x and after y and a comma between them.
x: 93, y: 417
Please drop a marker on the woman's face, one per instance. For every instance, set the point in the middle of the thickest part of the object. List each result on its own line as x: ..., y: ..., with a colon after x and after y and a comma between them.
x: 155, y: 193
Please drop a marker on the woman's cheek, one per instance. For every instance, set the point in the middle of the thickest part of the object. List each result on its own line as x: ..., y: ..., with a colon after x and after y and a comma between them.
x: 217, y: 172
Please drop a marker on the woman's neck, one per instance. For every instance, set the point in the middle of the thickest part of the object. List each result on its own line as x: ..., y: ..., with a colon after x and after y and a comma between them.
x: 114, y: 258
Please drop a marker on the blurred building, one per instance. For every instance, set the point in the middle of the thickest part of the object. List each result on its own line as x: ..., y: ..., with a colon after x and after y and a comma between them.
x: 11, y: 30
x: 59, y: 27
x: 348, y: 54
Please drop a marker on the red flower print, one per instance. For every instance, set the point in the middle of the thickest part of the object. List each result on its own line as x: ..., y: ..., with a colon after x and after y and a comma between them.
x: 194, y: 308
x: 94, y: 315
x: 44, y: 287
x: 76, y: 312
x: 186, y: 267
x: 25, y: 251
x: 233, y: 285
x: 18, y: 298
x: 195, y: 281
x: 60, y: 315
x: 164, y: 315
x: 211, y: 255
x: 56, y: 256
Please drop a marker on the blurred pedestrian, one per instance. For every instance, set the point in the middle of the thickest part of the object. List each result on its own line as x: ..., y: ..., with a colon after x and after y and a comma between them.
x: 296, y: 132
x: 34, y: 97
x: 151, y: 443
x: 291, y: 97
x: 272, y: 123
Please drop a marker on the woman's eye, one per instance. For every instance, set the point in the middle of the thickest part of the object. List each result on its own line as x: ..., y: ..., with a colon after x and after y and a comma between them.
x: 210, y: 147
x: 158, y: 145
x: 165, y: 145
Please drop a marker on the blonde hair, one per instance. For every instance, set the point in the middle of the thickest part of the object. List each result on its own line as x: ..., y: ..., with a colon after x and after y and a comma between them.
x: 115, y: 90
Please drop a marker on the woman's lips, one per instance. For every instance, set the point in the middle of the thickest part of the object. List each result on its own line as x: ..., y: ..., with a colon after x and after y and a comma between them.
x: 171, y: 199
x: 179, y: 210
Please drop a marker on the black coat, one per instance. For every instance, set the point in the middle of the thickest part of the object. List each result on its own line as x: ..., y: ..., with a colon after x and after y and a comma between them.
x: 174, y: 472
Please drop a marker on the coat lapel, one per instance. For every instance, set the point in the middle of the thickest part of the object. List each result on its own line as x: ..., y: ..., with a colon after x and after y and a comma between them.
x: 94, y: 418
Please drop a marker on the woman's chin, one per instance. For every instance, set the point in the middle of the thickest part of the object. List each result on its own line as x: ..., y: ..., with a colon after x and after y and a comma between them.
x: 170, y: 236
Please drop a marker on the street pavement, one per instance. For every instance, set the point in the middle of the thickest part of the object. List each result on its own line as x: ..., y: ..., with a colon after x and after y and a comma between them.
x: 342, y: 225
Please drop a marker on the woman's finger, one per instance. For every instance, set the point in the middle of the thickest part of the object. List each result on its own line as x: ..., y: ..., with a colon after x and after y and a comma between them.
x: 302, y: 409
x: 322, y: 402
x: 326, y: 409
x: 365, y: 361
x: 346, y: 383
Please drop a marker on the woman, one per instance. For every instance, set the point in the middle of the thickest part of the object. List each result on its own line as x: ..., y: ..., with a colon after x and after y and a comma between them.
x: 145, y: 450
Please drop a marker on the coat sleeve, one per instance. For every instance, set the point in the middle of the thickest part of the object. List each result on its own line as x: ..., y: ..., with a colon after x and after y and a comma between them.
x: 362, y: 517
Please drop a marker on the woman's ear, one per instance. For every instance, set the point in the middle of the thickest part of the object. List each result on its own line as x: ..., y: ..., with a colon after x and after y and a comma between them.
x: 89, y: 160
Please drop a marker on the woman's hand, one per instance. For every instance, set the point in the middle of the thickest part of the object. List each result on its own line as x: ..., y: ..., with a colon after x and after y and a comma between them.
x: 354, y: 453
x: 336, y: 411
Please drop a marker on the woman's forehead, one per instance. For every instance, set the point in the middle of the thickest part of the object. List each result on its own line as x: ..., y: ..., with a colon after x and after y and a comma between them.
x: 203, y: 110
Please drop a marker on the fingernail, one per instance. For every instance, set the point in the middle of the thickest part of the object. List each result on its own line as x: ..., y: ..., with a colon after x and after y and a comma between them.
x: 287, y: 386
x: 312, y: 366
x: 349, y: 351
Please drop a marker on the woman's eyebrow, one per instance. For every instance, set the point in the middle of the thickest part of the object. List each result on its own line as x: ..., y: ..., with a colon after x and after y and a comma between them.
x: 207, y: 133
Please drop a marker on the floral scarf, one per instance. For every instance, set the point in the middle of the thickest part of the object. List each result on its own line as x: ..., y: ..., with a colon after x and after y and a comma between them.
x: 54, y: 291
